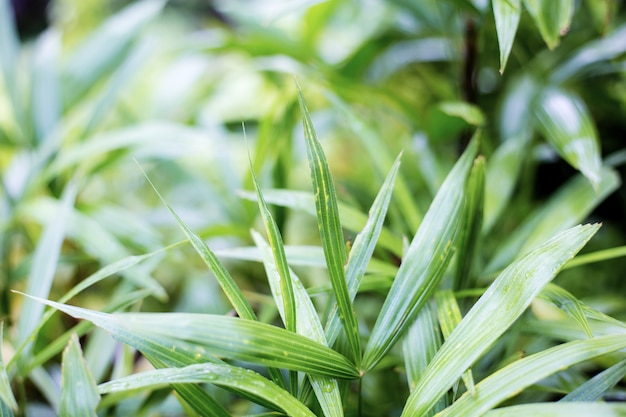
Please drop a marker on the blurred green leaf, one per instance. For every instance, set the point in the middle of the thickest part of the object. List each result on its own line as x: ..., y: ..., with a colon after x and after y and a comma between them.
x: 330, y: 229
x: 510, y: 294
x: 46, y: 92
x: 603, y: 13
x: 569, y: 205
x: 231, y: 337
x: 9, y: 54
x: 513, y: 378
x: 6, y: 394
x: 106, y: 48
x: 424, y: 263
x: 470, y: 113
x: 307, y: 324
x: 79, y: 394
x: 552, y: 18
x: 560, y: 410
x: 595, y: 388
x: 5, y: 411
x: 506, y: 14
x: 217, y: 374
x: 568, y: 126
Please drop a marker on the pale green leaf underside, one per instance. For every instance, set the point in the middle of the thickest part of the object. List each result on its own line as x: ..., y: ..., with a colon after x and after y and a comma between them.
x: 222, y: 375
x: 503, y: 302
x: 561, y: 410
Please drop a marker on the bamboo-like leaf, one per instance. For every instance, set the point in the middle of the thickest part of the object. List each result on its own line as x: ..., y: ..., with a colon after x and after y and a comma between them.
x: 568, y: 303
x: 308, y: 325
x: 552, y: 18
x: 351, y: 218
x: 420, y: 345
x: 560, y: 410
x: 515, y: 377
x: 330, y: 229
x: 596, y: 387
x: 363, y: 247
x: 79, y: 394
x: 9, y: 53
x: 568, y: 206
x: 471, y: 227
x: 449, y: 316
x: 506, y: 14
x: 44, y: 263
x: 425, y: 261
x: 217, y: 374
x: 6, y: 394
x: 164, y: 335
x: 509, y: 295
x: 568, y: 126
x: 286, y: 298
x: 226, y: 281
x: 47, y: 103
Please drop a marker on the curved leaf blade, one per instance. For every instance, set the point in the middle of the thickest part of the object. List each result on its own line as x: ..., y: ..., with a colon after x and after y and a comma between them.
x: 79, y: 395
x: 506, y: 14
x: 596, y: 387
x: 509, y: 295
x: 560, y: 410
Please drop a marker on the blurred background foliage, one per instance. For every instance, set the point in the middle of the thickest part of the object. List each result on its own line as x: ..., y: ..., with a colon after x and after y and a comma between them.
x: 91, y: 85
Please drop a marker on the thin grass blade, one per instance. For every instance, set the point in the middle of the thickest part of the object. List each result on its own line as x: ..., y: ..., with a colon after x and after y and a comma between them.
x: 165, y: 334
x: 79, y: 394
x: 568, y: 303
x: 226, y: 281
x: 330, y: 229
x: 568, y: 126
x: 506, y: 14
x: 509, y: 295
x: 217, y: 374
x: 46, y: 101
x: 6, y: 394
x: 308, y: 325
x: 363, y: 247
x: 424, y: 263
x: 595, y: 388
x: 514, y: 378
x: 560, y: 410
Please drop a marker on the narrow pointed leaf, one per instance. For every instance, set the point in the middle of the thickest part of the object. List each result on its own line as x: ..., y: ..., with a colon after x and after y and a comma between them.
x: 79, y: 394
x: 509, y: 295
x: 568, y: 303
x: 217, y: 374
x: 330, y: 229
x: 308, y: 325
x: 286, y: 299
x: 6, y: 394
x: 363, y: 247
x: 595, y: 388
x: 552, y: 18
x: 231, y: 337
x: 568, y: 126
x: 514, y: 378
x: 47, y: 103
x: 569, y: 205
x: 424, y: 263
x: 506, y: 14
x: 226, y: 281
x: 560, y: 410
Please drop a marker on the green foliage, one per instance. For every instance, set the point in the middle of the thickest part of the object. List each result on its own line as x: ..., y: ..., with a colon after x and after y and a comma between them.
x: 445, y: 281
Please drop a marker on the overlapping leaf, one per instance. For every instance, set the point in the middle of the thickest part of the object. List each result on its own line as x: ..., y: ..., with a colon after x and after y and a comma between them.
x: 79, y: 395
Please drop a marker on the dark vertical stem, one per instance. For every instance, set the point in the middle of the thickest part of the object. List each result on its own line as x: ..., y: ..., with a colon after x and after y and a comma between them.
x: 468, y: 85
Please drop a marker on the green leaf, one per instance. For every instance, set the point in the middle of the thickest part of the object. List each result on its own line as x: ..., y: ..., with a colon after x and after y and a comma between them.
x: 167, y: 335
x: 226, y: 281
x: 9, y: 58
x: 470, y: 113
x: 286, y: 299
x: 44, y: 263
x: 509, y: 295
x: 506, y: 14
x: 552, y: 18
x: 568, y: 126
x: 568, y: 303
x: 595, y: 388
x: 425, y: 262
x: 351, y: 218
x: 79, y: 394
x: 472, y: 222
x: 560, y: 410
x: 330, y: 229
x: 7, y: 399
x: 5, y: 411
x: 568, y: 206
x: 222, y: 375
x: 46, y: 100
x: 363, y: 247
x: 513, y: 378
x: 308, y: 325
